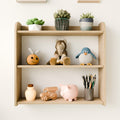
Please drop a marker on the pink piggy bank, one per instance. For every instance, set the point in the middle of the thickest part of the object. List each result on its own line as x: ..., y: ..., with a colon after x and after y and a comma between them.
x: 69, y: 92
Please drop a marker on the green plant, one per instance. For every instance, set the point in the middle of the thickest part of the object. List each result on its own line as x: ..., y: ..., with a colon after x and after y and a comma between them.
x: 62, y: 14
x: 87, y: 15
x: 35, y: 21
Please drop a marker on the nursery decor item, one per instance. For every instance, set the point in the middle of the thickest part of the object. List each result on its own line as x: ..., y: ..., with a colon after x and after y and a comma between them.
x: 20, y: 31
x: 31, y: 1
x: 62, y: 20
x: 69, y: 92
x: 34, y: 24
x: 86, y: 21
x: 89, y: 83
x: 30, y: 93
x: 49, y: 93
x: 32, y: 59
x: 60, y: 55
x: 85, y: 56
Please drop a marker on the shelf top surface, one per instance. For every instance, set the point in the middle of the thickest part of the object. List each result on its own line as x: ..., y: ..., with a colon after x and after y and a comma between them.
x: 59, y: 66
x: 61, y: 101
x: 51, y: 31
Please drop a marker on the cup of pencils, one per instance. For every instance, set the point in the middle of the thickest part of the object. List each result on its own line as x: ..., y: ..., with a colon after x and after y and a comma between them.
x: 89, y: 83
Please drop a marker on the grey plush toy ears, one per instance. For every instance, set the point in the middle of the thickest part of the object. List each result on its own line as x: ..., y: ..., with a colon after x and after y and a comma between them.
x: 31, y: 51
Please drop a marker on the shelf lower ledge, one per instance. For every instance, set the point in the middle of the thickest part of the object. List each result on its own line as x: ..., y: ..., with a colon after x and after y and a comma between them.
x: 59, y: 66
x: 61, y: 101
x: 88, y: 1
x: 60, y: 33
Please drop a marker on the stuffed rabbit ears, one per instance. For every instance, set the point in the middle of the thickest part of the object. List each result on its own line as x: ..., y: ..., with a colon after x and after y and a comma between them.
x: 31, y: 51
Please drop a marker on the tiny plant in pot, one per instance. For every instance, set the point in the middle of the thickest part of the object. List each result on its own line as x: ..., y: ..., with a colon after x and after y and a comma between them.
x: 62, y: 19
x: 86, y: 21
x: 34, y: 24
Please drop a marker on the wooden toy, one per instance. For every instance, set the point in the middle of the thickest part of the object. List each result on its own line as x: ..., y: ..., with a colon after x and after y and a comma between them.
x: 49, y: 93
x: 33, y: 59
x: 60, y: 55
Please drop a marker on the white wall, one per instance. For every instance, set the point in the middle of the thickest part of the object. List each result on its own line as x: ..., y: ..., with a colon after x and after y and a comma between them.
x: 10, y: 12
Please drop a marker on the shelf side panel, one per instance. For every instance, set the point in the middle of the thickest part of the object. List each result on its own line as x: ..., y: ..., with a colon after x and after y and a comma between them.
x: 17, y: 73
x: 102, y: 77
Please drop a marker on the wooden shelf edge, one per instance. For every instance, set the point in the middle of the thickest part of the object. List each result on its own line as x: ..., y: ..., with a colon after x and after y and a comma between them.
x: 88, y: 1
x: 61, y: 101
x: 59, y: 66
x: 31, y: 1
x: 59, y: 33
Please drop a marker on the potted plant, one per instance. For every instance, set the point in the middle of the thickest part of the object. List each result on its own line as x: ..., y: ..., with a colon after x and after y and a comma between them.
x: 34, y: 24
x: 86, y: 21
x: 62, y: 20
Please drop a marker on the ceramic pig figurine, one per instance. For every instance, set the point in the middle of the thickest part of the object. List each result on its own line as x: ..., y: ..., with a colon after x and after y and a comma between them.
x: 69, y: 92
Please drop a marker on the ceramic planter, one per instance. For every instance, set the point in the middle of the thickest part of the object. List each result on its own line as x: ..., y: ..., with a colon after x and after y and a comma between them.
x: 30, y: 93
x: 34, y: 27
x: 86, y: 24
x: 88, y: 94
x: 62, y: 24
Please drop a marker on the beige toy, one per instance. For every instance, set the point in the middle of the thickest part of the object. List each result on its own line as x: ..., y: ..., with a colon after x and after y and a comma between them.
x: 60, y: 55
x: 32, y: 59
x: 49, y: 93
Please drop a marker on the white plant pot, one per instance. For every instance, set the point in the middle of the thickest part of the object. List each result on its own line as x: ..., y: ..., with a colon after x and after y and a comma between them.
x: 86, y: 26
x: 34, y: 27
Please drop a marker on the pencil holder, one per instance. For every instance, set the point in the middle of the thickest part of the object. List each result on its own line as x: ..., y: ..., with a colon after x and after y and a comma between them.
x: 88, y: 94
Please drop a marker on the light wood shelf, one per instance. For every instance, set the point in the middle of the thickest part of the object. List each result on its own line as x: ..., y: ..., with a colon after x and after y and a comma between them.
x: 60, y: 33
x: 58, y: 66
x: 50, y: 31
x: 61, y: 101
x: 31, y: 1
x: 88, y: 1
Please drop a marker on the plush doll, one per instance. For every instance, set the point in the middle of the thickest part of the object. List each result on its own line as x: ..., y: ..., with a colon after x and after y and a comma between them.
x: 60, y: 55
x: 85, y: 56
x: 32, y: 59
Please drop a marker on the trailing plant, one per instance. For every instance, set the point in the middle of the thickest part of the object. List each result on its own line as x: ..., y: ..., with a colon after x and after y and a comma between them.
x: 62, y: 14
x: 87, y: 15
x: 35, y: 21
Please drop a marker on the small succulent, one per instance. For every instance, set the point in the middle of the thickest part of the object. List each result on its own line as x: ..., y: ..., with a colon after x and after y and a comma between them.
x: 35, y: 21
x: 62, y: 14
x: 87, y: 15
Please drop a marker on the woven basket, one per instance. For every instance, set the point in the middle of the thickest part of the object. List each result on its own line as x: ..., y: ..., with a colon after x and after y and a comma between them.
x: 62, y: 24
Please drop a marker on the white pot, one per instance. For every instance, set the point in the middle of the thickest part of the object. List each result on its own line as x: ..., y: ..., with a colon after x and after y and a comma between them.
x: 34, y: 27
x: 30, y: 94
x: 86, y: 25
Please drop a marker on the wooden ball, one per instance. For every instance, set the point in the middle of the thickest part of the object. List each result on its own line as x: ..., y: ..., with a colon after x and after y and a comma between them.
x: 32, y: 59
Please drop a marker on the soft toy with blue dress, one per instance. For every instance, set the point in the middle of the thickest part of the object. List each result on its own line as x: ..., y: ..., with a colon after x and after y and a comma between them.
x: 85, y: 56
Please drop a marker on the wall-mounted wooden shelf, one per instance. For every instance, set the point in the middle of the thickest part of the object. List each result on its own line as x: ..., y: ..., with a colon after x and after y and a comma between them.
x: 61, y: 101
x: 60, y: 33
x: 88, y: 1
x: 31, y: 1
x: 58, y: 66
x: 50, y: 31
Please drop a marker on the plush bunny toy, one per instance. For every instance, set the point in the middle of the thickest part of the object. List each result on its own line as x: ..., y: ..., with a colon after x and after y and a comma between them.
x: 60, y: 55
x: 32, y: 59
